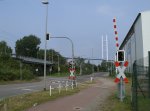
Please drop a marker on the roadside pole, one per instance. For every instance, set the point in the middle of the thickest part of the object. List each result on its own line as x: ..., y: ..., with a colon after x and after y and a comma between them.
x: 119, y: 60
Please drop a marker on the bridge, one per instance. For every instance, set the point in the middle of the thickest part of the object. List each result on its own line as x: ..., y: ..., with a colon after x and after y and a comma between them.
x: 91, y: 59
x: 31, y: 60
x: 41, y: 61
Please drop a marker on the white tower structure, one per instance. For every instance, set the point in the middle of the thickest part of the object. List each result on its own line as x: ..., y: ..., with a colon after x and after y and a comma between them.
x: 105, y: 47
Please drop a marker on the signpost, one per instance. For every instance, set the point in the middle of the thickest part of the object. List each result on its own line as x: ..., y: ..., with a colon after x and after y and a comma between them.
x: 121, y: 70
x: 120, y: 78
x: 120, y: 59
x: 72, y: 70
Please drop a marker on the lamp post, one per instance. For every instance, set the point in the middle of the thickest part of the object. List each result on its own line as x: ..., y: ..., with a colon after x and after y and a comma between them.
x: 45, y: 2
x: 74, y: 82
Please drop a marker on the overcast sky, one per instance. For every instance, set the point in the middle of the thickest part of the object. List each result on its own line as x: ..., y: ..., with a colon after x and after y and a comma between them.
x: 83, y: 21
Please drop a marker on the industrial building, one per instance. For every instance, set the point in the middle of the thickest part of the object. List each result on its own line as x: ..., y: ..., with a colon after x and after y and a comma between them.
x: 137, y: 41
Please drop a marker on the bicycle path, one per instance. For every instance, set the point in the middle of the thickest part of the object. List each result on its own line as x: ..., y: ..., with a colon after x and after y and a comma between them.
x: 89, y: 99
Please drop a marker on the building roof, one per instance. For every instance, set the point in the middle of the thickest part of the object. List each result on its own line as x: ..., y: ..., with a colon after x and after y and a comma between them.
x: 130, y: 32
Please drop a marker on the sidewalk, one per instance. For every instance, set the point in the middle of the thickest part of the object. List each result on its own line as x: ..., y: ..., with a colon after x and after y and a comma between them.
x: 87, y: 100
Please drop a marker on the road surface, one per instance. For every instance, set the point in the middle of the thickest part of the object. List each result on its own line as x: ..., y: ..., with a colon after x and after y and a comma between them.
x: 90, y: 99
x: 24, y: 88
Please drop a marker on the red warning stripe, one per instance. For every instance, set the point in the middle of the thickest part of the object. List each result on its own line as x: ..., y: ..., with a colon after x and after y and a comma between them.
x: 125, y: 80
x: 114, y: 20
x: 116, y: 33
x: 117, y: 64
x: 126, y: 64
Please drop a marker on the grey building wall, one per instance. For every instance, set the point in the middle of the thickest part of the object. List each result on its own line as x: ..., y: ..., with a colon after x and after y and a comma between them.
x: 137, y: 41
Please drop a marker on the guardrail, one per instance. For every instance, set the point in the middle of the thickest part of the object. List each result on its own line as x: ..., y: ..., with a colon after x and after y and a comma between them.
x: 64, y: 84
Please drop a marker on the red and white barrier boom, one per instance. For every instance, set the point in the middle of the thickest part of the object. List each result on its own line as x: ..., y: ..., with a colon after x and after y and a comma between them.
x: 119, y: 61
x: 116, y: 33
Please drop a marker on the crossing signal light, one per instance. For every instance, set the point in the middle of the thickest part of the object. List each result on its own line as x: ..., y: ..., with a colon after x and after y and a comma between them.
x: 47, y: 36
x: 121, y: 55
x: 70, y: 65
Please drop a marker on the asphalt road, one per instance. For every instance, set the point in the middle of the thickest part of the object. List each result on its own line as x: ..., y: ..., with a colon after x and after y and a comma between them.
x: 24, y: 88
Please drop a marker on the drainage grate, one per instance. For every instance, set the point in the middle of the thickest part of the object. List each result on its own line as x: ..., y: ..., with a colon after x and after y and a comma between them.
x: 77, y: 109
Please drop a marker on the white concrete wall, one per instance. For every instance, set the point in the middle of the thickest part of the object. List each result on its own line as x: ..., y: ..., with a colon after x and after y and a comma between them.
x: 138, y: 41
x: 133, y: 50
x: 138, y: 45
x: 146, y: 34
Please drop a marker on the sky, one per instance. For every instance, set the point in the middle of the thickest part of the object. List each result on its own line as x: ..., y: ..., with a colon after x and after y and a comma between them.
x: 83, y: 21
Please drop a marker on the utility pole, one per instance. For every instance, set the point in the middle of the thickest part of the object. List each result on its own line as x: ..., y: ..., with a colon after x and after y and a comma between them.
x: 45, y: 2
x: 92, y: 63
x: 58, y: 65
x: 102, y: 48
x: 105, y: 48
x: 20, y: 70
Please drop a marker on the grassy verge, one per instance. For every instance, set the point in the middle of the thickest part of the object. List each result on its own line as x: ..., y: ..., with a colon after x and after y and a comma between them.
x: 143, y: 104
x: 113, y: 103
x: 22, y: 102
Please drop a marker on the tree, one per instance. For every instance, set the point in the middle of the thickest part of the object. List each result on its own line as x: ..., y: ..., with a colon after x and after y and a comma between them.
x: 54, y: 57
x: 4, y: 48
x: 79, y: 61
x: 27, y: 46
x: 106, y: 66
x: 51, y: 55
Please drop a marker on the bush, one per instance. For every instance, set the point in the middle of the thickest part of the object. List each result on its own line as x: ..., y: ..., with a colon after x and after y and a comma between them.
x: 10, y: 70
x: 27, y: 75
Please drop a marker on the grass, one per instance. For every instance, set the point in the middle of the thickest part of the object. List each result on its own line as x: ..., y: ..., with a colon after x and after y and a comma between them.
x: 143, y: 103
x: 22, y: 102
x: 113, y: 103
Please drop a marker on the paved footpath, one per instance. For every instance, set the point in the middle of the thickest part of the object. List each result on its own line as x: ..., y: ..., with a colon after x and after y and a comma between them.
x: 89, y: 99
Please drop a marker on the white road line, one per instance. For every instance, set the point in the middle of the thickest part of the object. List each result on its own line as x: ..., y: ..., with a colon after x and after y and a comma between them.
x: 30, y: 90
x: 26, y: 87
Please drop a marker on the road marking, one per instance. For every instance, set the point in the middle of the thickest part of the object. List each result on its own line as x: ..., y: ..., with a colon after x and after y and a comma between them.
x: 26, y: 87
x: 30, y: 90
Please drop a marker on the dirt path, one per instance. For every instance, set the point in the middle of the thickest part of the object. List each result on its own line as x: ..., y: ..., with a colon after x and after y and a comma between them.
x: 87, y: 100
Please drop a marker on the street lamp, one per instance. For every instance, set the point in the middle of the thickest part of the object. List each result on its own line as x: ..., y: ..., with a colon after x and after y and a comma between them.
x: 71, y: 45
x: 45, y: 2
x: 74, y: 82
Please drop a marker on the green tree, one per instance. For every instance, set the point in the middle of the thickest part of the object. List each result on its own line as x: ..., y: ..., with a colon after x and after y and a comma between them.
x: 54, y: 57
x: 27, y: 46
x: 4, y: 48
x: 51, y: 55
x: 106, y: 66
x: 79, y: 61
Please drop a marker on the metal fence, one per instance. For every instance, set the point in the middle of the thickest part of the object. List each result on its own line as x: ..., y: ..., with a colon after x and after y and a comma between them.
x: 141, y: 86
